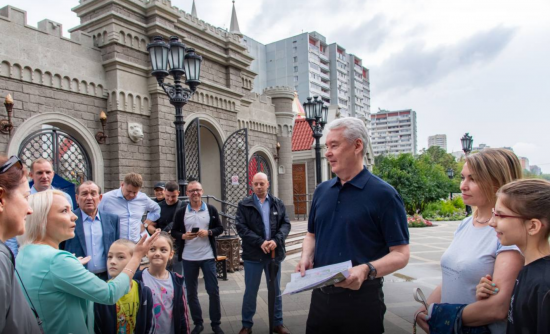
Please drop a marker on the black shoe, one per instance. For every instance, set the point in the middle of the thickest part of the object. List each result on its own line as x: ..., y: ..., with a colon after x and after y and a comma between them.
x: 197, y: 329
x: 217, y: 330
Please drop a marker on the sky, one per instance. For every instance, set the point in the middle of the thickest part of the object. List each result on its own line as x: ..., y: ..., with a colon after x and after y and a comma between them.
x: 463, y: 65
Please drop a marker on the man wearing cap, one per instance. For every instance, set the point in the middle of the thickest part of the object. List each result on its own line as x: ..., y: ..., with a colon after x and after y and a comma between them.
x: 159, y: 191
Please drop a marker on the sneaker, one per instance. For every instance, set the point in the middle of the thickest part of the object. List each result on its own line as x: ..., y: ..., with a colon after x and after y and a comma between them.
x: 197, y: 329
x: 217, y: 330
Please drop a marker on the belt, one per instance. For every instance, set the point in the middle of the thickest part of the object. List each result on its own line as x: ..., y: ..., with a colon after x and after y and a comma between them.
x: 367, y: 285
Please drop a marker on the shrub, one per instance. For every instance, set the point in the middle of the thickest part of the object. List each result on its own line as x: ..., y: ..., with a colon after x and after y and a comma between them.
x: 445, y: 210
x: 418, y: 221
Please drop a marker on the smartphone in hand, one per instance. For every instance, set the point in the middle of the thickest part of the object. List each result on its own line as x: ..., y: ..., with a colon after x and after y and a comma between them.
x: 195, y: 230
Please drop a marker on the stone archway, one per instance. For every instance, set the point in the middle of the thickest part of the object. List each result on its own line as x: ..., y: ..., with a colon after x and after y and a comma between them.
x: 79, y: 131
x: 209, y: 145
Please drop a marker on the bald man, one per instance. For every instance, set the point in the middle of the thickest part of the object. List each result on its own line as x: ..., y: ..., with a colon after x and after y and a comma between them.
x: 263, y: 226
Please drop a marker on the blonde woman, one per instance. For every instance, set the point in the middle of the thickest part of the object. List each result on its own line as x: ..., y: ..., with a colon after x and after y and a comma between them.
x: 58, y: 285
x: 475, y: 250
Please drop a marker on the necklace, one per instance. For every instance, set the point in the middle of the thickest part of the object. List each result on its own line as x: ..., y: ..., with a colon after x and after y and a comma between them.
x: 483, y: 222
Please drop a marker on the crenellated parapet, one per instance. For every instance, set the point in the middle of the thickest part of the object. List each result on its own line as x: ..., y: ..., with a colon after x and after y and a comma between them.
x: 42, y: 56
x: 282, y: 97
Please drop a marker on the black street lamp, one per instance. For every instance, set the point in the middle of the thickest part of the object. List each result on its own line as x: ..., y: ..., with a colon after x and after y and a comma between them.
x: 182, y: 61
x: 316, y: 116
x: 467, y: 143
x: 451, y: 175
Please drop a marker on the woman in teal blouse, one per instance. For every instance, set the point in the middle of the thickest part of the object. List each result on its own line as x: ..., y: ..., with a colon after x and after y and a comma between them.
x: 61, y: 289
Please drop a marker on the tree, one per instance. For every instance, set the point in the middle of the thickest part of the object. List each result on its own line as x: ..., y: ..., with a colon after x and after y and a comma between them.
x: 418, y: 180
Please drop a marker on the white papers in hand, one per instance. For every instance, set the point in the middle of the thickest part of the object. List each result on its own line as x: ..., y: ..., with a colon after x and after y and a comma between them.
x: 317, y: 278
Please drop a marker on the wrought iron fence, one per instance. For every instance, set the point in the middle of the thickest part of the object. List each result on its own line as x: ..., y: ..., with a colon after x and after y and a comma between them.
x: 302, y: 205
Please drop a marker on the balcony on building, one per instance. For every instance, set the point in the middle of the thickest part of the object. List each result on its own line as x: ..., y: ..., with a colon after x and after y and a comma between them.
x: 325, y: 75
x: 313, y: 49
x: 323, y: 57
x: 314, y: 67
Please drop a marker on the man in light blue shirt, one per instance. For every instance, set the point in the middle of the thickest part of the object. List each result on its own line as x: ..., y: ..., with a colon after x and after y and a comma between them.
x: 129, y: 204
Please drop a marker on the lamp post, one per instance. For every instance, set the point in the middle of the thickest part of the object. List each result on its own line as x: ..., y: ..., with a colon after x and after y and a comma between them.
x: 316, y: 116
x: 467, y: 143
x: 182, y: 61
x: 451, y: 175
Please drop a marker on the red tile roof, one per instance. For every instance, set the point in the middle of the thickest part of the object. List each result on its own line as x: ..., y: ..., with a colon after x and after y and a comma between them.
x: 301, y: 135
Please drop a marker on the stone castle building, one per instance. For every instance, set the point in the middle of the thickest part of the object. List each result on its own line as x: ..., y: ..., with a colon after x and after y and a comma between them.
x: 60, y: 86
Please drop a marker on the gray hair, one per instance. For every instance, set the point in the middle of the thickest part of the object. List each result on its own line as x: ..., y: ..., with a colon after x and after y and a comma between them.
x: 354, y: 128
x: 87, y: 183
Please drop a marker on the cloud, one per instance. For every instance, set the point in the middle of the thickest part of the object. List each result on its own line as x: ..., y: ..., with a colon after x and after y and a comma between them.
x: 275, y: 20
x: 370, y: 35
x: 417, y: 66
x: 526, y: 149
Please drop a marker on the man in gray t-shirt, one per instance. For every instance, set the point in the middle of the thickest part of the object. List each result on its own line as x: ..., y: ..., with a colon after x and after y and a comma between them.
x: 195, y: 228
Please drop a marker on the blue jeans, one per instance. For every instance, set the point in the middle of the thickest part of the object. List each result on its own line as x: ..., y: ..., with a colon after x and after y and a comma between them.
x: 252, y: 278
x: 191, y: 274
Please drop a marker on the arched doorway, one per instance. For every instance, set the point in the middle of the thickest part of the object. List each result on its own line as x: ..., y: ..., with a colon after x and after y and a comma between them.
x: 258, y: 163
x: 81, y: 133
x: 68, y: 157
x: 203, y: 149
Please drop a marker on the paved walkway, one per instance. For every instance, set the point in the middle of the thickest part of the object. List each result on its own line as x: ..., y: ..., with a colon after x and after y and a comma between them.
x: 427, y: 246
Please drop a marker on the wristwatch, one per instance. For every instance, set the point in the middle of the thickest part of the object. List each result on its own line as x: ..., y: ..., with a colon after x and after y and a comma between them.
x: 145, y: 225
x: 209, y: 233
x: 372, y: 272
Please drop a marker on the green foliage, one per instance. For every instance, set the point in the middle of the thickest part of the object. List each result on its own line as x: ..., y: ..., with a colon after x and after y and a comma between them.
x: 423, y: 179
x: 445, y: 210
x: 418, y: 180
x: 458, y: 202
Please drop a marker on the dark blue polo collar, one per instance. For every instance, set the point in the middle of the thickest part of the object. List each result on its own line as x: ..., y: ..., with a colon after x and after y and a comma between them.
x: 359, y: 181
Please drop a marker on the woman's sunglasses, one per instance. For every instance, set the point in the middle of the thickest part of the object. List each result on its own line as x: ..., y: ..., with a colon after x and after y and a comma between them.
x: 12, y: 161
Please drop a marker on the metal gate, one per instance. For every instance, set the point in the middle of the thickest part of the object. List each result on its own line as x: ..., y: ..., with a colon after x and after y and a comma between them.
x: 234, y: 169
x: 258, y: 164
x: 69, y: 159
x: 193, y: 150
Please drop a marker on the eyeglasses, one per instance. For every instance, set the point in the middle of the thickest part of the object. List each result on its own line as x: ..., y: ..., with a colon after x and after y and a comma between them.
x: 506, y: 216
x: 12, y: 161
x: 194, y: 191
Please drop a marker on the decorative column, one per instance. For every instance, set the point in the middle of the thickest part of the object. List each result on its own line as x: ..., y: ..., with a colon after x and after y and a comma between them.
x: 282, y: 98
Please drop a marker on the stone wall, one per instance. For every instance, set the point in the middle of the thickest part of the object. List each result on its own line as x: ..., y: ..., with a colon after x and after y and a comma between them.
x: 105, y: 66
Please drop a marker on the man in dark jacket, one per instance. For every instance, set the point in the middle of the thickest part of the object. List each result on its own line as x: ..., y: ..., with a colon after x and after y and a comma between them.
x: 95, y: 231
x: 196, y: 227
x: 263, y: 225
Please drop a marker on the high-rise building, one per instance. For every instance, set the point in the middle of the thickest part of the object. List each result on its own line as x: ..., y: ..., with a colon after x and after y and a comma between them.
x: 393, y: 132
x: 438, y: 140
x: 314, y: 68
x: 524, y: 163
x: 535, y: 170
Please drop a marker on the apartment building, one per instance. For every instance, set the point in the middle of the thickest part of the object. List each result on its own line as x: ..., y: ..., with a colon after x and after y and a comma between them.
x: 314, y: 68
x: 393, y: 132
x: 438, y: 140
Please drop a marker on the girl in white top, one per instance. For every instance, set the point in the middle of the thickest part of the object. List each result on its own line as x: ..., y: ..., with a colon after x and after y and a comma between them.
x: 475, y: 250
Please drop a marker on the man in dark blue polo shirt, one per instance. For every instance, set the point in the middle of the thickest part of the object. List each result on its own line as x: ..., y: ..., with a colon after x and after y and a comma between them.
x: 359, y: 217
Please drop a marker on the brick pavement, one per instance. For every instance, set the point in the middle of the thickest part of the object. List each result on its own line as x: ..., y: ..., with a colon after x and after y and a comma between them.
x: 427, y: 246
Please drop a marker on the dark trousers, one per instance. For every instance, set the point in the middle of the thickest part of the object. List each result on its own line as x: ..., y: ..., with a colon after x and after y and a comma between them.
x: 191, y: 275
x: 347, y: 311
x: 252, y: 278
